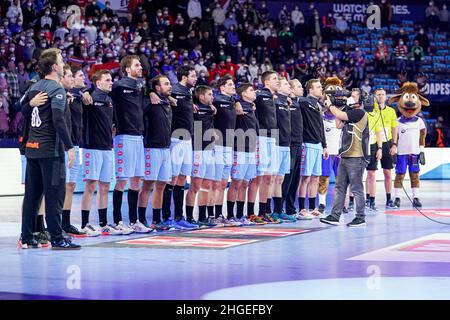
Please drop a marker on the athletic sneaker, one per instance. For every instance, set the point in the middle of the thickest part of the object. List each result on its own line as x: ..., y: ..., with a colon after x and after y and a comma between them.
x: 317, y: 214
x: 219, y: 221
x: 304, y: 215
x: 43, y: 238
x: 89, y: 231
x: 245, y: 222
x: 417, y: 203
x: 391, y: 205
x: 110, y: 230
x: 321, y: 208
x: 31, y: 244
x: 330, y: 220
x: 235, y: 222
x: 195, y: 222
x: 287, y: 218
x: 73, y: 231
x: 373, y: 207
x: 138, y: 227
x: 397, y: 202
x: 258, y: 220
x: 173, y: 225
x: 126, y: 230
x: 272, y: 218
x: 64, y: 245
x: 161, y: 226
x: 185, y: 224
x: 357, y: 222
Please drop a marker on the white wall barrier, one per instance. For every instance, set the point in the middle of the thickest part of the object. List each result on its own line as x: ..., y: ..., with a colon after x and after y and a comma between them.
x: 437, y: 167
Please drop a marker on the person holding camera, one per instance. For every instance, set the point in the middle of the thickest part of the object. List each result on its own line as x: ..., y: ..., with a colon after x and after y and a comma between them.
x: 354, y: 153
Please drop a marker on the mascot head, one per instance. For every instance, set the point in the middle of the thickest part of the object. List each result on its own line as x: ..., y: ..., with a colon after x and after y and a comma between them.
x: 333, y: 83
x: 409, y: 100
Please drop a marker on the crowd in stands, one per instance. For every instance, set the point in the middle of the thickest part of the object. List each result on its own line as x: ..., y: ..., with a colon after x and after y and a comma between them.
x: 241, y: 38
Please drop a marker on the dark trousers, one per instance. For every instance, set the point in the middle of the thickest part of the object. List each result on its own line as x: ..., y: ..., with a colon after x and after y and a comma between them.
x: 350, y: 173
x: 44, y: 177
x: 291, y: 180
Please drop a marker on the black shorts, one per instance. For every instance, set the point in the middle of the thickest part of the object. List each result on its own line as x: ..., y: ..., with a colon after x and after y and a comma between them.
x: 386, y: 159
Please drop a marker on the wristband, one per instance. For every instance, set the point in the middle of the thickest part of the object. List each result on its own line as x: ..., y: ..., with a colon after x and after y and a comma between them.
x: 379, y: 148
x: 394, y: 144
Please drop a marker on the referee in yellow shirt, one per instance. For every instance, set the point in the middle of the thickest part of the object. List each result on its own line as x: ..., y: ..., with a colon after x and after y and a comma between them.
x: 383, y: 127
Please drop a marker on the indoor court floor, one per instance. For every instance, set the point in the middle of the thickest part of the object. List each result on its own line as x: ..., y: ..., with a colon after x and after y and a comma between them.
x: 398, y: 255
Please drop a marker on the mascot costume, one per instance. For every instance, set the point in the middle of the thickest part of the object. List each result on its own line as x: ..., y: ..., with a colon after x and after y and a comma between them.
x: 332, y: 137
x: 411, y: 139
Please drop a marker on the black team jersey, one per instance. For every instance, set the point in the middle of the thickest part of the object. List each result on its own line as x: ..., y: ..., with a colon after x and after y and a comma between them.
x: 313, y: 130
x: 283, y: 120
x: 98, y: 121
x: 76, y: 117
x: 205, y: 115
x: 296, y: 123
x: 49, y: 134
x: 128, y: 99
x: 157, y: 124
x: 248, y: 123
x: 182, y: 113
x: 225, y: 118
x: 265, y: 111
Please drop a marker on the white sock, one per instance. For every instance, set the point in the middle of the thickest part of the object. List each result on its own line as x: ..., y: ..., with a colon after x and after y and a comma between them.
x: 323, y: 199
x: 396, y: 192
x: 415, y: 192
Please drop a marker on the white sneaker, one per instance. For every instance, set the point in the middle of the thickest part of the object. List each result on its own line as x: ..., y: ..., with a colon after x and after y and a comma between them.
x: 304, y: 215
x: 317, y: 214
x: 235, y: 222
x: 110, y: 230
x: 138, y: 227
x: 90, y: 231
x: 126, y: 230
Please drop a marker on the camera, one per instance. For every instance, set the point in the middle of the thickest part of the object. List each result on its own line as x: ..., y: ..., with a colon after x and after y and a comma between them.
x: 338, y: 98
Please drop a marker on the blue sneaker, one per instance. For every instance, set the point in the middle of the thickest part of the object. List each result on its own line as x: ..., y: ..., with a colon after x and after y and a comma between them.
x: 287, y: 218
x: 173, y: 225
x: 183, y: 223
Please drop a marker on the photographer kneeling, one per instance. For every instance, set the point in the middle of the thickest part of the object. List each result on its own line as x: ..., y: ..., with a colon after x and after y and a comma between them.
x: 354, y: 157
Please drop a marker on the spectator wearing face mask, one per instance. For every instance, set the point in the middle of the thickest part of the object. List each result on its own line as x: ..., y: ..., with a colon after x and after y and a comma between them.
x: 329, y: 26
x: 300, y: 35
x: 14, y: 11
x: 46, y: 20
x: 423, y: 39
x: 93, y: 10
x: 218, y: 15
x: 417, y: 54
x: 432, y: 8
x: 386, y: 12
x: 444, y: 17
x: 296, y: 16
x: 13, y: 82
x: 29, y: 13
x: 400, y: 56
x: 366, y: 87
x: 91, y: 31
x: 432, y: 20
x: 381, y: 57
x: 315, y: 27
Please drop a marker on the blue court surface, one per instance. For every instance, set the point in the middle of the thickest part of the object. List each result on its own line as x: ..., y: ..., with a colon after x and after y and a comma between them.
x: 398, y: 255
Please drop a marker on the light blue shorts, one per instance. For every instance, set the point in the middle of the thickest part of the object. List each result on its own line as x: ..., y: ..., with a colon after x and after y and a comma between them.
x: 72, y: 173
x: 181, y: 156
x: 129, y: 156
x: 244, y: 166
x: 204, y: 164
x: 158, y: 165
x: 311, y: 163
x: 266, y: 156
x: 284, y: 160
x: 23, y: 159
x: 98, y: 165
x: 223, y: 161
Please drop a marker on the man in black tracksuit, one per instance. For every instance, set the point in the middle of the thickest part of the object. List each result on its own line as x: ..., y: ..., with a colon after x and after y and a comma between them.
x: 292, y: 179
x: 48, y: 136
